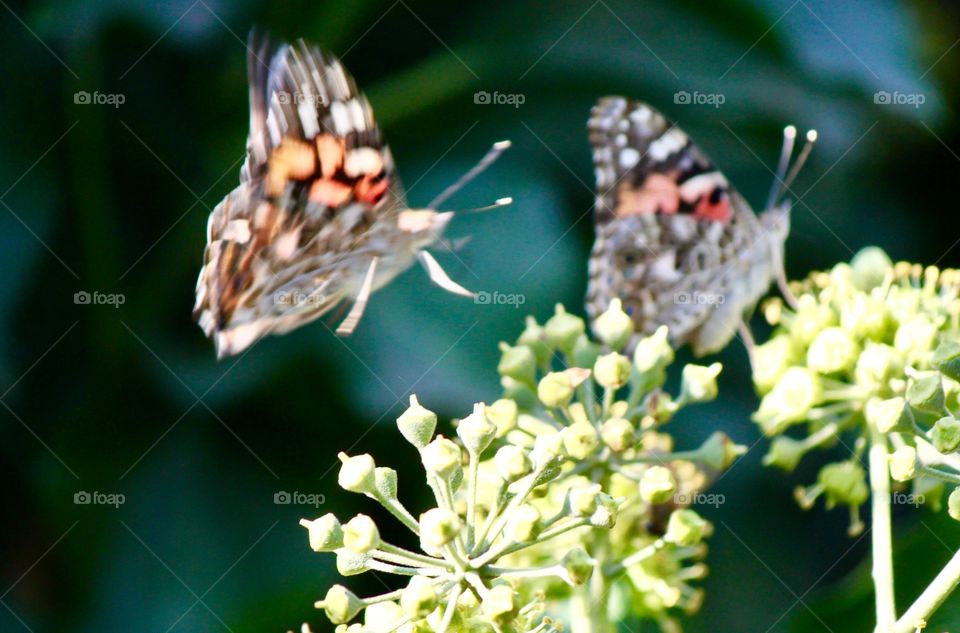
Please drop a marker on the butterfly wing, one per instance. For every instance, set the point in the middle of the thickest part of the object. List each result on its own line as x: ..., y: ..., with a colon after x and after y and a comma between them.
x: 318, y: 199
x: 675, y: 242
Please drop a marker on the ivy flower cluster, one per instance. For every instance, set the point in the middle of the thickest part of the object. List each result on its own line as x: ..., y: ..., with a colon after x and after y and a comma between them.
x: 563, y: 501
x: 868, y: 356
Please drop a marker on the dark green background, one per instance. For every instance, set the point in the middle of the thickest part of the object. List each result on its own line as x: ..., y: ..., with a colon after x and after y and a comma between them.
x: 130, y: 400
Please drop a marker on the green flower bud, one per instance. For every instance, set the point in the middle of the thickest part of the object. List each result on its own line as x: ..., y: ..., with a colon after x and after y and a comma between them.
x: 664, y: 407
x: 357, y: 474
x: 582, y: 500
x: 525, y: 524
x: 614, y: 327
x: 563, y: 329
x: 605, y: 516
x: 877, y: 365
x: 578, y: 566
x: 785, y: 453
x: 581, y: 440
x: 439, y: 526
x: 325, y: 533
x: 533, y: 337
x: 945, y: 434
x: 887, y: 415
x: 699, y: 383
x: 811, y: 318
x: 946, y: 358
x: 350, y: 563
x: 833, y: 350
x: 685, y: 528
x: 916, y: 339
x: 340, y: 604
x: 612, y: 371
x: 476, y: 431
x: 790, y: 400
x: 843, y: 483
x: 618, y: 434
x: 771, y: 360
x: 503, y: 413
x: 441, y: 457
x: 870, y: 267
x: 555, y: 389
x: 386, y: 482
x: 382, y: 616
x: 585, y: 352
x: 903, y: 463
x: 653, y: 352
x: 419, y: 598
x: 417, y: 423
x: 657, y: 485
x: 953, y: 504
x: 517, y: 362
x: 719, y: 452
x: 925, y: 393
x: 512, y: 462
x: 501, y: 603
x: 865, y: 318
x: 360, y: 534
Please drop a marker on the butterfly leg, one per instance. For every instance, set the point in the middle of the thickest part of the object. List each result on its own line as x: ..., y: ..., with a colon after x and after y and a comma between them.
x: 439, y: 276
x: 782, y: 284
x: 349, y: 324
x: 748, y: 341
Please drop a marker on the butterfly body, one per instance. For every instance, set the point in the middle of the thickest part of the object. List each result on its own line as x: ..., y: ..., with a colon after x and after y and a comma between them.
x: 675, y: 242
x: 319, y: 208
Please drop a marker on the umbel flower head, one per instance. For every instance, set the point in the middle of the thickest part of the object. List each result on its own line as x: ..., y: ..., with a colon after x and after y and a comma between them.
x: 868, y: 354
x: 565, y: 488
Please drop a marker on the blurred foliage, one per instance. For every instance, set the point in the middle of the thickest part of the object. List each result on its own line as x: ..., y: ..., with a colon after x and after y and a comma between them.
x: 115, y: 200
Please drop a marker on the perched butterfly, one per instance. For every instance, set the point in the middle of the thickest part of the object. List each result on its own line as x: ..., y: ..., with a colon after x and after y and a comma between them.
x: 320, y: 217
x: 675, y: 242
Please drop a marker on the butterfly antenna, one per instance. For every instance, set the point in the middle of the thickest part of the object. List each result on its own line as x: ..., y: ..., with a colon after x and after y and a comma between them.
x: 502, y: 202
x: 492, y: 155
x: 786, y: 151
x: 798, y: 164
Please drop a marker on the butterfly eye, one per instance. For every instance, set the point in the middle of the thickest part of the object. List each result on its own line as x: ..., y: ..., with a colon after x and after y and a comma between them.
x: 629, y: 259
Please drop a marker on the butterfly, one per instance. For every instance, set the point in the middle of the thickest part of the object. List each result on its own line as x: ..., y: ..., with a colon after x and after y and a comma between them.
x: 320, y: 217
x: 674, y: 241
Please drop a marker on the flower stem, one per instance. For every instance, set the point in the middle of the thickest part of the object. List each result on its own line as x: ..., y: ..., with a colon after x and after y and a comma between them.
x: 881, y: 533
x: 931, y: 598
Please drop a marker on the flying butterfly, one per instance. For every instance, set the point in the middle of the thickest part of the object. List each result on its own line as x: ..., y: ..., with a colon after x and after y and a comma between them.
x: 320, y: 217
x: 674, y: 241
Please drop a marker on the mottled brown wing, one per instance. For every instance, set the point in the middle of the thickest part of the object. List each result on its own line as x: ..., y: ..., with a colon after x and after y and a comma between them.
x: 318, y: 198
x: 671, y: 231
